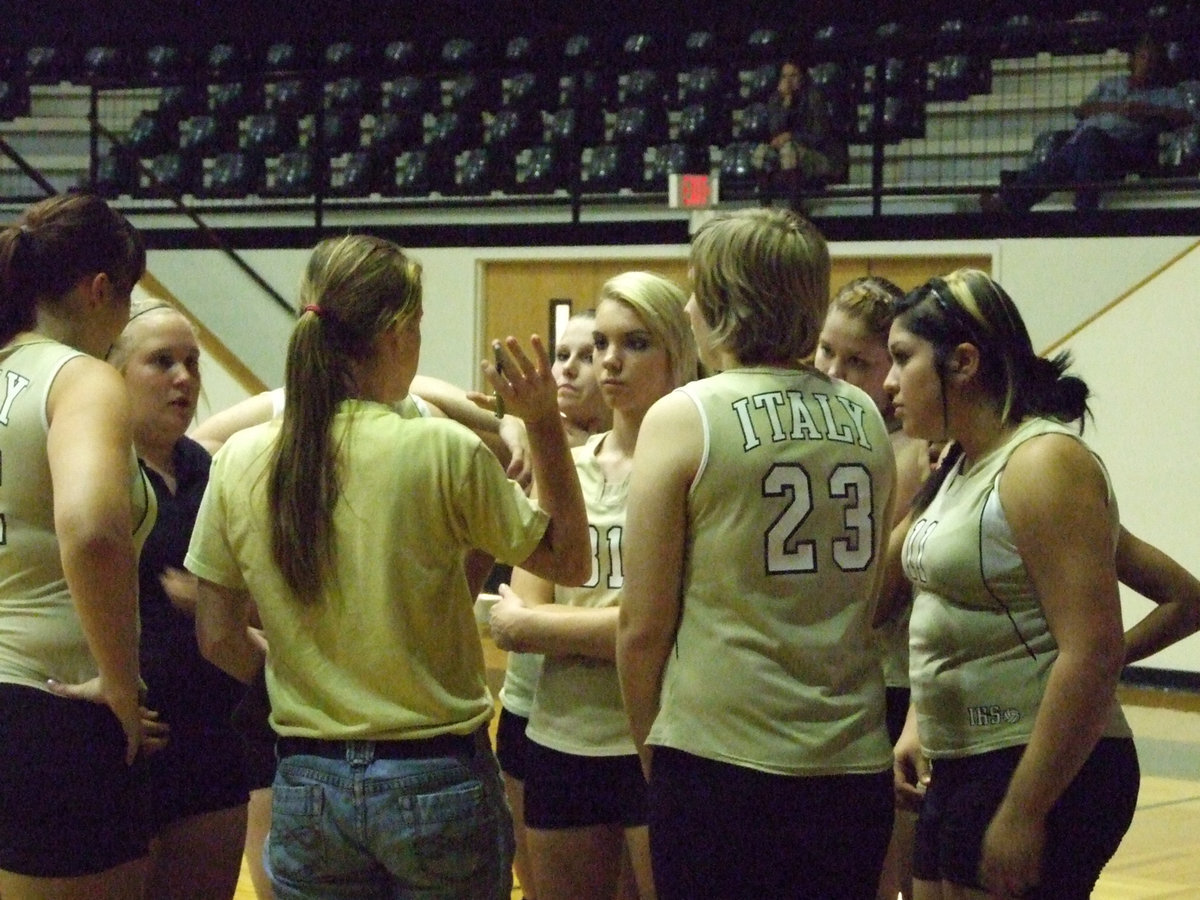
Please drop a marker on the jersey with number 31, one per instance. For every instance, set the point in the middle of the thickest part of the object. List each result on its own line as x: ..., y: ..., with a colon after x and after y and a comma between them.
x: 774, y: 667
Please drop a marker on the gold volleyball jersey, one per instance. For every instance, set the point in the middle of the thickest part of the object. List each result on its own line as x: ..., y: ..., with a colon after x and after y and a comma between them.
x: 981, y: 650
x: 40, y: 633
x: 774, y: 665
x: 577, y: 707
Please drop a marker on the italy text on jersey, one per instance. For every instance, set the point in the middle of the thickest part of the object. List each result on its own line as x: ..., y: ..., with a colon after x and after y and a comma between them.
x: 789, y: 418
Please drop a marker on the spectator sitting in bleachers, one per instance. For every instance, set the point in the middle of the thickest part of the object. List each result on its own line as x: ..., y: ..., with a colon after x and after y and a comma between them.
x: 1117, y: 133
x: 804, y: 150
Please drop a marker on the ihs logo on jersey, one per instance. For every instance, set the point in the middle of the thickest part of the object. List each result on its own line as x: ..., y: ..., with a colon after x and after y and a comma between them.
x: 984, y: 716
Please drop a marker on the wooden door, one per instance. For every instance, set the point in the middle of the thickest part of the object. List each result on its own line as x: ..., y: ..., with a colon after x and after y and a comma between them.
x: 517, y: 295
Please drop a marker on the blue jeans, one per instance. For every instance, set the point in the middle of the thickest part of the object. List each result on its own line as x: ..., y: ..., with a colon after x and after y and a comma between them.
x: 361, y: 827
x: 1089, y: 154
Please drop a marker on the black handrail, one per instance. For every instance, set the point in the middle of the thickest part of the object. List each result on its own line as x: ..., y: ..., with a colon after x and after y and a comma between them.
x: 21, y: 163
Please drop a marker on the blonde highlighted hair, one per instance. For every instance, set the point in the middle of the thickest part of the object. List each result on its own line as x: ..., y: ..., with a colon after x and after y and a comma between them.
x: 870, y: 300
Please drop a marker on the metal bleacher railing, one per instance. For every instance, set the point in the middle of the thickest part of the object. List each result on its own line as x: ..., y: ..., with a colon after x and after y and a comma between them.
x: 935, y: 116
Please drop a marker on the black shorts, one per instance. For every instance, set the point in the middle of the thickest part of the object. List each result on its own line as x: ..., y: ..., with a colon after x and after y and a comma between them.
x: 512, y: 746
x: 69, y: 805
x: 897, y: 711
x: 251, y: 720
x: 1083, y: 830
x: 563, y: 790
x: 201, y: 770
x: 720, y: 830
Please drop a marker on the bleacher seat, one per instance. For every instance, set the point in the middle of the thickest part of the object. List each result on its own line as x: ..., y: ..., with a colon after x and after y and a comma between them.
x: 400, y: 56
x: 235, y: 174
x: 519, y: 52
x: 758, y: 83
x: 358, y: 176
x: 701, y: 126
x: 207, y: 135
x: 409, y: 94
x: 738, y: 175
x: 116, y: 174
x: 482, y: 170
x: 699, y: 46
x: 639, y: 126
x: 341, y: 132
x: 397, y: 131
x: 640, y: 87
x: 699, y: 84
x: 575, y: 127
x: 639, y: 48
x: 296, y: 174
x: 105, y: 63
x: 764, y: 44
x: 285, y: 57
x: 234, y: 99
x: 46, y: 64
x: 511, y: 129
x: 526, y: 91
x: 411, y: 174
x: 176, y: 173
x: 603, y: 172
x: 346, y: 57
x: 227, y: 61
x: 461, y: 53
x: 544, y: 168
x: 151, y: 134
x: 752, y: 123
x: 351, y: 93
x: 268, y: 134
x: 177, y: 102
x: 290, y: 96
x: 165, y: 62
x: 14, y: 99
x: 675, y: 159
x: 470, y: 93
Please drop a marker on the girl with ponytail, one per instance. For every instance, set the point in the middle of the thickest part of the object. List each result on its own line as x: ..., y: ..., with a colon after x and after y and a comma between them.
x: 1016, y: 634
x: 347, y: 527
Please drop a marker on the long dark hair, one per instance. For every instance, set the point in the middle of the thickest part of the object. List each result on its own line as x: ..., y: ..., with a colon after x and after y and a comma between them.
x: 967, y: 306
x: 55, y: 243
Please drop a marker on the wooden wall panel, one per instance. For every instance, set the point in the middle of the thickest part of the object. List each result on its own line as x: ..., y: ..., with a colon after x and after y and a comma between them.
x: 516, y: 294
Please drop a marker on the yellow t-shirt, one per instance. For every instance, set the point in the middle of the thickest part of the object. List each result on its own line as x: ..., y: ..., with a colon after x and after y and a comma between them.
x: 391, y: 651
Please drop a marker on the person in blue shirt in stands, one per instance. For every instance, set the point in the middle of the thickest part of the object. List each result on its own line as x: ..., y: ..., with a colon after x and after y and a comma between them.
x: 1117, y: 133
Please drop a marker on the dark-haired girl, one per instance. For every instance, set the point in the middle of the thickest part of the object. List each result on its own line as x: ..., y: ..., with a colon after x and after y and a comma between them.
x: 74, y: 509
x: 1016, y: 636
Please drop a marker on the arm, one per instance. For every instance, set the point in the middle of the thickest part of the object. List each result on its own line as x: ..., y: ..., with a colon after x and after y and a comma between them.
x: 668, y: 454
x: 217, y: 428
x: 527, y: 620
x: 223, y: 620
x: 910, y: 768
x: 88, y: 447
x: 1056, y: 500
x: 1156, y: 576
x: 895, y: 592
x: 564, y: 554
